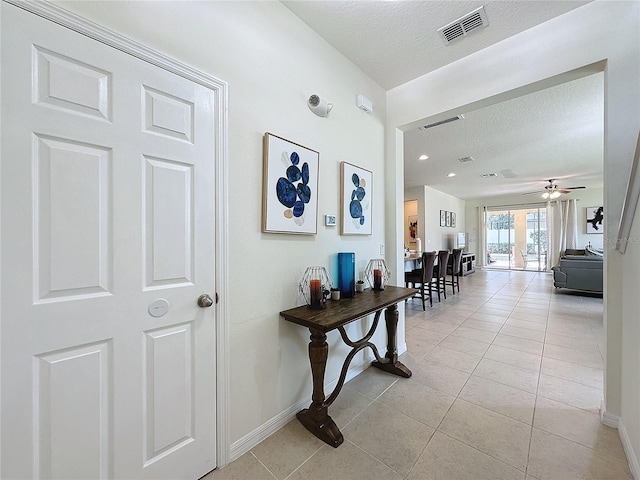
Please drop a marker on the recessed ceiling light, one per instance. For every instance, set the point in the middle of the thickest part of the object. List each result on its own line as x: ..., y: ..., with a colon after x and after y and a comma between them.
x: 451, y: 175
x: 423, y: 157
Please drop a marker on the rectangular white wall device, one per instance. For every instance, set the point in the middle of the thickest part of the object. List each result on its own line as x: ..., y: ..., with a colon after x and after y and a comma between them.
x: 363, y: 103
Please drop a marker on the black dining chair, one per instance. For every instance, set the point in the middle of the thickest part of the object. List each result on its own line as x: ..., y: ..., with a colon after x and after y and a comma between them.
x: 422, y: 276
x: 440, y: 273
x: 453, y: 269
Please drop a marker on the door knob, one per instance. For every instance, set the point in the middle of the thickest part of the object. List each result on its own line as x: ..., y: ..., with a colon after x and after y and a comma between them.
x: 205, y: 301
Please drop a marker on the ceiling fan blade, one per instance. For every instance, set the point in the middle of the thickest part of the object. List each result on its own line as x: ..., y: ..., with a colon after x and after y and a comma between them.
x: 532, y: 193
x: 573, y: 188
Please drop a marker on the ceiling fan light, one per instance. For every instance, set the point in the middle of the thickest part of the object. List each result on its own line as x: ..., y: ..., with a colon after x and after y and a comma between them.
x: 545, y: 195
x: 554, y: 195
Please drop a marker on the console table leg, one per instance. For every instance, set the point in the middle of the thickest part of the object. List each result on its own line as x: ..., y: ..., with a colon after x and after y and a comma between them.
x: 315, y: 418
x: 392, y: 365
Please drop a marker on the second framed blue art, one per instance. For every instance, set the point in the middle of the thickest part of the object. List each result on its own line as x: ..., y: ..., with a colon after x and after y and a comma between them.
x: 290, y: 187
x: 356, y: 198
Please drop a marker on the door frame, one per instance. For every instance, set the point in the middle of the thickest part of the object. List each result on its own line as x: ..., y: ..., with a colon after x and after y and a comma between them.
x: 219, y: 88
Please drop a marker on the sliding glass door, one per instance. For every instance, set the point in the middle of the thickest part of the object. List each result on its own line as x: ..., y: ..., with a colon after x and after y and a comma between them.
x: 517, y: 238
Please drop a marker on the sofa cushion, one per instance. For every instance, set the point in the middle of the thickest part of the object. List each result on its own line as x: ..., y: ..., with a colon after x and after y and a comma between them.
x: 581, y: 258
x: 579, y: 272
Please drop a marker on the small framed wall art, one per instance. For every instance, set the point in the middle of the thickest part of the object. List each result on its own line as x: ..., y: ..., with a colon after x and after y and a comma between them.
x: 413, y: 228
x: 290, y: 187
x: 453, y: 219
x: 595, y: 220
x: 443, y: 218
x: 447, y: 221
x: 356, y: 198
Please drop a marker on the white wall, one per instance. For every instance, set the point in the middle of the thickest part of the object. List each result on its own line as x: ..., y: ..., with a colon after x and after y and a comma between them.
x: 430, y: 202
x: 272, y: 62
x: 577, y: 43
x: 630, y: 415
x: 592, y: 197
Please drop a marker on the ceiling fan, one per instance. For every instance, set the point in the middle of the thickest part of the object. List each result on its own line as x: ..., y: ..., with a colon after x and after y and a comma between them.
x: 552, y: 191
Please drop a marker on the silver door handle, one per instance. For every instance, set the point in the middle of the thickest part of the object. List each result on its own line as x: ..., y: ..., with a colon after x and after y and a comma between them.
x: 205, y: 301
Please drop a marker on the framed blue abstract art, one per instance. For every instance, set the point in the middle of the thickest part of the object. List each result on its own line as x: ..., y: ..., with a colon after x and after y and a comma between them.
x: 356, y: 198
x: 290, y: 187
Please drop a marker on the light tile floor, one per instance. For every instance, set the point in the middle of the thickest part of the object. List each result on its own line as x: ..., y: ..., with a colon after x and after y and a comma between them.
x: 507, y: 384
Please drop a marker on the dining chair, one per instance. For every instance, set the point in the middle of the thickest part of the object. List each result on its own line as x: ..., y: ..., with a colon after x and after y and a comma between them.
x: 440, y: 273
x: 422, y: 277
x: 453, y: 269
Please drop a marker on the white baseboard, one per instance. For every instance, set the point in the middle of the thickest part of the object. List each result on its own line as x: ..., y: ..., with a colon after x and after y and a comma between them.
x: 609, y: 420
x: 615, y: 421
x: 634, y: 466
x: 250, y: 440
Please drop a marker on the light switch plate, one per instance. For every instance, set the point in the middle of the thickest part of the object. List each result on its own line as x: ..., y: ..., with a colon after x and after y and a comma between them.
x: 330, y: 220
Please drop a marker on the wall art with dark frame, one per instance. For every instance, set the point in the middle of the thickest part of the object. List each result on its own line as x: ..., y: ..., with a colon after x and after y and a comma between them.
x: 447, y: 219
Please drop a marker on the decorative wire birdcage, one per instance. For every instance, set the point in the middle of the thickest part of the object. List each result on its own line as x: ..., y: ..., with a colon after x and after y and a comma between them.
x: 377, y: 274
x: 315, y: 285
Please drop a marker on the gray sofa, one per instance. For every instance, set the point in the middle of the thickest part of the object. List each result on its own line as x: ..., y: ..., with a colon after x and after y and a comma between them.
x: 579, y: 270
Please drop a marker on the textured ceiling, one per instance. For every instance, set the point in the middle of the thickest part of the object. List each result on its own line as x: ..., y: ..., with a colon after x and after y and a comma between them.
x: 396, y: 41
x: 555, y: 133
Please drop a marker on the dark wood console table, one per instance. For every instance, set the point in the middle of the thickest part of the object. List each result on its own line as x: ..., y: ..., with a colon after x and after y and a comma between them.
x: 336, y: 315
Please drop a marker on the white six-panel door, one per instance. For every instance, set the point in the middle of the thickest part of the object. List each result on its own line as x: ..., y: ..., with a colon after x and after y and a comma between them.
x: 108, y: 363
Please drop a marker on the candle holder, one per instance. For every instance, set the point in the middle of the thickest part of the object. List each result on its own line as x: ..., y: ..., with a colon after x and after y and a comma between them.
x: 315, y: 285
x: 377, y: 274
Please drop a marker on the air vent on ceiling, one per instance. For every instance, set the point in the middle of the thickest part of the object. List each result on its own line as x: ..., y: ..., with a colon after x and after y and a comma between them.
x: 441, y: 122
x: 464, y: 25
x: 466, y: 159
x: 489, y: 175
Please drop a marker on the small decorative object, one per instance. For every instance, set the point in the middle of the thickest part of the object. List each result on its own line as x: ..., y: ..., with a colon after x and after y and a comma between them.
x: 356, y: 197
x: 290, y: 187
x: 315, y: 286
x: 360, y: 286
x: 595, y: 219
x: 347, y: 273
x: 377, y: 274
x: 335, y: 294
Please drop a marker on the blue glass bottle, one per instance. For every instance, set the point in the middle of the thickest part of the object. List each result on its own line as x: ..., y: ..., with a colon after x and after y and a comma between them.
x: 347, y: 274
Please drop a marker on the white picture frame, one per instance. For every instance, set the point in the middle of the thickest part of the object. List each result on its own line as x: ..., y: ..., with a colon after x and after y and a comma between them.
x: 356, y: 200
x: 290, y: 187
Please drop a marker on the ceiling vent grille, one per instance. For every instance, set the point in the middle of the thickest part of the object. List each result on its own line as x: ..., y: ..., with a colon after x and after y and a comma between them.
x: 466, y: 159
x: 489, y: 175
x: 441, y: 122
x: 464, y: 25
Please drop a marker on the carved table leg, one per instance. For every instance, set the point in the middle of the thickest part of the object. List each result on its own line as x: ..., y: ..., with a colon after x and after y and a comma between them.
x: 392, y: 365
x: 315, y: 418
